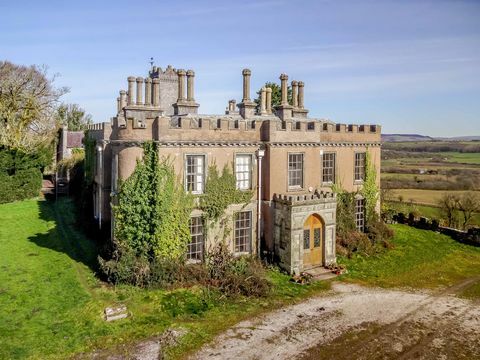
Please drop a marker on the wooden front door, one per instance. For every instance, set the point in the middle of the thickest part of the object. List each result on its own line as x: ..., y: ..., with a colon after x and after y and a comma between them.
x: 312, y: 242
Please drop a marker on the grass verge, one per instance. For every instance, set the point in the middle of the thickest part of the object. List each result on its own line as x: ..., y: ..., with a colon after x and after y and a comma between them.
x: 420, y: 259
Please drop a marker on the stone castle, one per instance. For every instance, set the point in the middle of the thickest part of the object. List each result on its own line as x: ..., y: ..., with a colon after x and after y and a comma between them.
x: 289, y: 160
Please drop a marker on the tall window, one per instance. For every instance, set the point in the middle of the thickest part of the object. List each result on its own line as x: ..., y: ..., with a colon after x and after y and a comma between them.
x: 328, y: 168
x: 360, y: 214
x: 295, y: 170
x: 360, y: 166
x: 243, y: 171
x: 243, y: 231
x: 195, y: 173
x: 195, y: 247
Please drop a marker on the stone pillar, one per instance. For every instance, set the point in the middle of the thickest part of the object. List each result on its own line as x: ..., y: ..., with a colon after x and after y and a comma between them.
x: 190, y: 94
x: 131, y: 90
x: 246, y: 85
x: 148, y: 91
x: 263, y: 101
x: 294, y: 93
x: 156, y: 92
x: 118, y: 105
x: 300, y: 94
x: 284, y: 79
x: 269, y: 100
x: 123, y: 99
x: 139, y: 90
x: 231, y: 105
x: 181, y: 85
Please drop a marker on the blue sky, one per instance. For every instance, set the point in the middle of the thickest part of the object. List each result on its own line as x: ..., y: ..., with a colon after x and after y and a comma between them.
x: 411, y: 66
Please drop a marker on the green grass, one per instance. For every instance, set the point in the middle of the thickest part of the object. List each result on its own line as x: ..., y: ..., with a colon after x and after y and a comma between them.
x: 423, y: 196
x: 51, y: 303
x: 458, y: 157
x: 419, y: 259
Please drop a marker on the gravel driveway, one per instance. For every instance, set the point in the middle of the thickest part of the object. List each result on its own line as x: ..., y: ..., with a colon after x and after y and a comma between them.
x: 354, y: 322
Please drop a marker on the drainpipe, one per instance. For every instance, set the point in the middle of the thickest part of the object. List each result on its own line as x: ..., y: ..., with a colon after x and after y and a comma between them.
x: 100, y: 185
x: 260, y: 154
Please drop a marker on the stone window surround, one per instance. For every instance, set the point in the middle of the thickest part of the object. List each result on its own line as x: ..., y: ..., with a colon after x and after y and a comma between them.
x: 197, y: 192
x: 295, y: 187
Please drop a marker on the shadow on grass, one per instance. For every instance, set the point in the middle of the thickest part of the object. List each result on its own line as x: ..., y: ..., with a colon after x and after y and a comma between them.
x: 65, y: 236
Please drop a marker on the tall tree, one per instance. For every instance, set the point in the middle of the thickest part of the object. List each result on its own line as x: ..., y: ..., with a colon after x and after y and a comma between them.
x: 448, y: 206
x: 28, y: 102
x: 468, y: 204
x: 73, y: 116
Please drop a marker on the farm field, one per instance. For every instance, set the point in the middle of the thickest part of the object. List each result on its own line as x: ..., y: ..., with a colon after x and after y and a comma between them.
x: 421, y: 196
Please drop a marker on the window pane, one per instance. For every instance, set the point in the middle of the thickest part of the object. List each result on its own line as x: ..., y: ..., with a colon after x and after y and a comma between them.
x: 316, y: 237
x: 196, y: 245
x: 306, y: 239
x: 195, y: 173
x: 295, y: 170
x: 360, y: 214
x: 360, y: 166
x: 243, y: 171
x: 328, y: 167
x: 243, y: 231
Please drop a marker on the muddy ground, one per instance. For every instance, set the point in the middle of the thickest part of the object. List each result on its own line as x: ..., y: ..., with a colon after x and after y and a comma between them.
x: 353, y: 322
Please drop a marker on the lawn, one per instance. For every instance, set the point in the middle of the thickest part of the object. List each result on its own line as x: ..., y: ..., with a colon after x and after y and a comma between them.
x: 51, y: 302
x: 419, y: 259
x: 464, y: 158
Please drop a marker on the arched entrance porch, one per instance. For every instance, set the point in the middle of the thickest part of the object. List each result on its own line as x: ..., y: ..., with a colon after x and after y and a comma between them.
x: 313, y: 241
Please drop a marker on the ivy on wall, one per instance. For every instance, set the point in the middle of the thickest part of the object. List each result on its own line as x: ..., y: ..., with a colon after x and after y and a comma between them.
x: 152, y: 210
x: 89, y: 146
x: 370, y: 189
x: 220, y: 192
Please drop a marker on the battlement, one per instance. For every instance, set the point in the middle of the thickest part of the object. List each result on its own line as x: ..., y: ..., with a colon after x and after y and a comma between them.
x: 305, y: 198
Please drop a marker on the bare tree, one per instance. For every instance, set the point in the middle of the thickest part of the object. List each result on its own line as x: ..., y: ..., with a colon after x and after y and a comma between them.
x: 73, y: 116
x: 28, y: 102
x: 449, y: 205
x: 469, y: 204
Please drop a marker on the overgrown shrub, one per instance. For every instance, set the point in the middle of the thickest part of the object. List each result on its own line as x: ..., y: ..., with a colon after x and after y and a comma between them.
x: 24, y: 184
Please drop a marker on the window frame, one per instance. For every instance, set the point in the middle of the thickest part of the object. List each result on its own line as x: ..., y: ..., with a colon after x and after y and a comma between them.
x: 355, y: 167
x: 201, y: 243
x: 333, y: 167
x: 250, y: 171
x: 246, y: 233
x: 187, y: 174
x: 359, y: 214
x: 302, y: 172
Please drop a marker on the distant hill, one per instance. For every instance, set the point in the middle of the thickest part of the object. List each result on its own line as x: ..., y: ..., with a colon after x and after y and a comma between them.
x: 405, y: 137
x: 417, y: 137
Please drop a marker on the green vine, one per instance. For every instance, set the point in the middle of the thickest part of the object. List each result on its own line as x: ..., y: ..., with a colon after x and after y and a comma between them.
x: 152, y: 211
x: 89, y: 145
x: 220, y: 192
x: 370, y: 190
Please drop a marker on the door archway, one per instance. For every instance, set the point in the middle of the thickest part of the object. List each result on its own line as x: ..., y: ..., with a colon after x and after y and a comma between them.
x: 313, y: 241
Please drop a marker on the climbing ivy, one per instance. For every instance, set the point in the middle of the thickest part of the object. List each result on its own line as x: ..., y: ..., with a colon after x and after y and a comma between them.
x: 220, y: 192
x: 89, y: 162
x: 345, y: 219
x: 370, y: 190
x: 152, y: 211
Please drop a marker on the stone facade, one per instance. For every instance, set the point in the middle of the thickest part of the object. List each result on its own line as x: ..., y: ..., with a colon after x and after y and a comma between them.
x: 284, y: 151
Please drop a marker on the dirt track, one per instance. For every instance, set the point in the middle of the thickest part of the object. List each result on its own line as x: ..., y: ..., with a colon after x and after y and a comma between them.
x: 354, y: 322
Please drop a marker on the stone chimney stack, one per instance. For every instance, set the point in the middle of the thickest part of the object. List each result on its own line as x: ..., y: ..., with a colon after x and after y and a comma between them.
x: 131, y: 90
x: 156, y: 92
x: 294, y: 94
x: 284, y: 110
x: 185, y: 105
x: 139, y: 91
x: 190, y: 86
x: 269, y: 100
x: 284, y: 89
x: 123, y: 99
x: 181, y: 85
x: 246, y: 107
x: 246, y: 85
x: 118, y: 105
x: 300, y: 94
x: 263, y: 101
x: 300, y: 110
x: 148, y: 91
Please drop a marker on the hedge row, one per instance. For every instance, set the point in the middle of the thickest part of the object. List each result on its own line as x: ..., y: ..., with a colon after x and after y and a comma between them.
x: 23, y: 184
